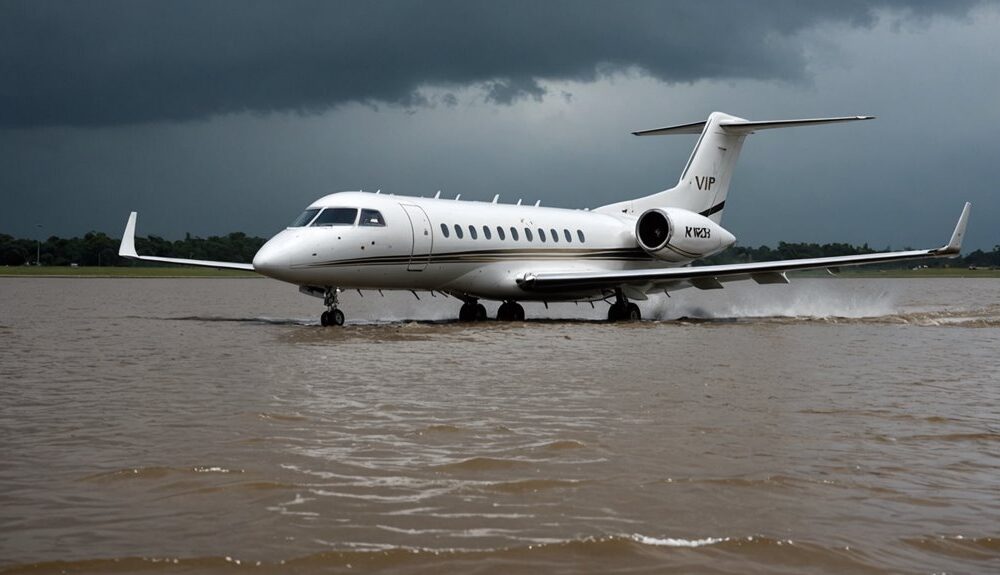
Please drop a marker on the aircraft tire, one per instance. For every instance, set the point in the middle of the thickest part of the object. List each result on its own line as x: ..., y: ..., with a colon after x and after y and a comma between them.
x: 518, y: 311
x: 336, y: 317
x: 467, y: 313
x: 632, y: 312
x: 324, y: 319
x: 480, y: 312
x: 510, y: 311
x: 616, y: 312
x: 505, y: 312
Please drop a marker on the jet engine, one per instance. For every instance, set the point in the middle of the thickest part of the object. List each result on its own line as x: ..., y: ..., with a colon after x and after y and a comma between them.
x: 677, y: 235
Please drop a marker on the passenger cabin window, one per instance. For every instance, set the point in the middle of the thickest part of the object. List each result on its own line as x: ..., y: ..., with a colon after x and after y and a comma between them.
x: 513, y: 233
x: 486, y: 232
x: 579, y: 234
x: 555, y: 236
x: 336, y: 217
x: 569, y: 237
x: 306, y: 217
x: 371, y: 218
x: 472, y: 231
x: 527, y: 234
x: 444, y: 230
x: 458, y: 231
x: 541, y: 234
x: 500, y: 233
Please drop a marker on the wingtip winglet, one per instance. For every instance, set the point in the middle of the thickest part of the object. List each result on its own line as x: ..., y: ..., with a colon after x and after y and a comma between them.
x: 127, y: 247
x: 954, y: 246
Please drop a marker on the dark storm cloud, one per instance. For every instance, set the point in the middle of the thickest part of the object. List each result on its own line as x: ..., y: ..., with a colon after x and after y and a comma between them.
x: 108, y: 63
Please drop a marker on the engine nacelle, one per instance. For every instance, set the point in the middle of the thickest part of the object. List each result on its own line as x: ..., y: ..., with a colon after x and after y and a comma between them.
x: 676, y: 235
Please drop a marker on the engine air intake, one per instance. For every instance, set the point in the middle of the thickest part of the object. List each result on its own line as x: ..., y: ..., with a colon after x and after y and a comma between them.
x: 653, y: 230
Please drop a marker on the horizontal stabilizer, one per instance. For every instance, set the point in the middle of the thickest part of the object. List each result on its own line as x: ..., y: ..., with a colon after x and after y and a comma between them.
x: 692, y: 128
x: 746, y: 126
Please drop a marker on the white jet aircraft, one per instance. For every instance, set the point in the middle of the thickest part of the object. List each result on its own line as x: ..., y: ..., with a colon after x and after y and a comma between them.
x: 513, y: 253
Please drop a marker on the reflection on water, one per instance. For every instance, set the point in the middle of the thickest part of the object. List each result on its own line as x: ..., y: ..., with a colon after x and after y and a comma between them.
x: 211, y: 425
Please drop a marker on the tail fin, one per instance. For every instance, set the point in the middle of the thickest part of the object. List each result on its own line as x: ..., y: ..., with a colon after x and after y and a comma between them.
x: 704, y: 183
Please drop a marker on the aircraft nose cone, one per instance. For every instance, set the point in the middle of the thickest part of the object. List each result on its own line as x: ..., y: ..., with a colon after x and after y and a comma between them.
x: 271, y: 260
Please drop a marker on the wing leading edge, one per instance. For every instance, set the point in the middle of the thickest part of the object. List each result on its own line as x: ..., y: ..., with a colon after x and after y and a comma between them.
x: 127, y: 250
x: 711, y: 277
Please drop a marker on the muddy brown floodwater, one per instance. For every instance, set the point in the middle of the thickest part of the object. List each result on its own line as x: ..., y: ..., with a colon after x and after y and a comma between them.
x: 211, y: 425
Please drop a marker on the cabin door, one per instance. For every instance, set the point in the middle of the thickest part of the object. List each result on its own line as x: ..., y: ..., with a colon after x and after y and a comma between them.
x: 420, y: 224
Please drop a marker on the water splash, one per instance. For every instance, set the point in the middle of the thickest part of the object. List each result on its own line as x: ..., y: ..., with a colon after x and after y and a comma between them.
x: 820, y: 299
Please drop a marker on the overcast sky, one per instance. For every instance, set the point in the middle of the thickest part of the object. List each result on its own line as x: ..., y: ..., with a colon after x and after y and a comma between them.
x: 211, y: 117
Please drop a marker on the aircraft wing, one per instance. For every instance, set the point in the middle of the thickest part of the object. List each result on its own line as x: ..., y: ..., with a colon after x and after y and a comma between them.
x: 711, y: 277
x: 127, y: 250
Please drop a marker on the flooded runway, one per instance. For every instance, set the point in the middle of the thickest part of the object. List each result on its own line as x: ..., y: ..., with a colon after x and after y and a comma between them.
x: 192, y: 425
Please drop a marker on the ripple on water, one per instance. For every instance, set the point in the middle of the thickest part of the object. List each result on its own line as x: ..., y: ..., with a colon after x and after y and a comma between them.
x: 139, y: 473
x: 475, y: 464
x: 642, y: 553
x: 532, y: 485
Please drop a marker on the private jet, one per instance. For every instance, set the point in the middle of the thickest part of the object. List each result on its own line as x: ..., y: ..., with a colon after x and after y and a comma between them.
x: 473, y: 250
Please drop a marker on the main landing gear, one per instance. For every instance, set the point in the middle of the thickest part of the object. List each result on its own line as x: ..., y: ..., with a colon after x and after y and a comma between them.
x: 472, y: 310
x: 622, y: 309
x: 510, y: 311
x: 332, y: 315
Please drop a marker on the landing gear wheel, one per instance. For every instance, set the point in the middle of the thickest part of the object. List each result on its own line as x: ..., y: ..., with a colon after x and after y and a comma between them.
x: 467, y: 313
x: 324, y: 319
x: 472, y: 311
x: 336, y: 317
x: 510, y: 311
x: 616, y: 312
x: 632, y: 312
x: 504, y: 312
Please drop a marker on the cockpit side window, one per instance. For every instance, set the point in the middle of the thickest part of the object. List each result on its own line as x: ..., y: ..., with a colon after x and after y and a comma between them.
x: 371, y: 218
x: 336, y: 217
x: 305, y: 218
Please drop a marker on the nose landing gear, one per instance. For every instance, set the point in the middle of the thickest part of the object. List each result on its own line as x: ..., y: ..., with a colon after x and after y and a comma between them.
x: 333, y: 315
x: 622, y: 309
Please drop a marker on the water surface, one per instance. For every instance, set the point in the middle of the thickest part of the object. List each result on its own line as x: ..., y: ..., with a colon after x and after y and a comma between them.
x: 210, y: 425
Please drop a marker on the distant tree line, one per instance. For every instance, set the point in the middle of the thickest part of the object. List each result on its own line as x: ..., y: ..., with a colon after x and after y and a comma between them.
x: 97, y: 249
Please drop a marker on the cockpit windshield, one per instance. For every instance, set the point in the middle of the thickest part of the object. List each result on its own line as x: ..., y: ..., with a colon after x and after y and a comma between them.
x: 305, y: 218
x: 336, y: 217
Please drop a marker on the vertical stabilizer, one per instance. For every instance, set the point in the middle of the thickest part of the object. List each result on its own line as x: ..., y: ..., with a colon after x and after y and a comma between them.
x: 704, y: 183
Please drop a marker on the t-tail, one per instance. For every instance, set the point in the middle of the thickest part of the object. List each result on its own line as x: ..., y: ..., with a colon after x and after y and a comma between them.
x: 704, y: 183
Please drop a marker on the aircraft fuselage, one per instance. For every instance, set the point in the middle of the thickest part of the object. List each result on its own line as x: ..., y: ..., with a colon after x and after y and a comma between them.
x: 475, y: 248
